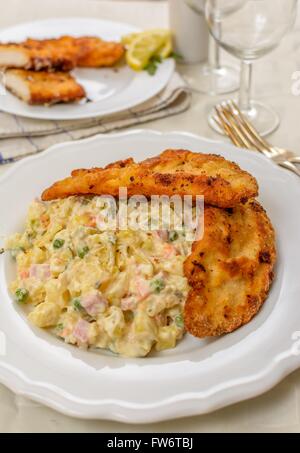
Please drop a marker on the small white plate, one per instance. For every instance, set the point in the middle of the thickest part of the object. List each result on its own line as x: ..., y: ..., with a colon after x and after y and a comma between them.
x: 111, y: 90
x: 197, y: 376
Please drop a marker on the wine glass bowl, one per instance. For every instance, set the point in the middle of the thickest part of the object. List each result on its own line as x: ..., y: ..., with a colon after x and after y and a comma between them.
x: 248, y: 30
x: 213, y: 78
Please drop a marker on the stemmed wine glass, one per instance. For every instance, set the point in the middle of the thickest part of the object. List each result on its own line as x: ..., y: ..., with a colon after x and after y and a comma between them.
x: 249, y: 32
x: 213, y: 78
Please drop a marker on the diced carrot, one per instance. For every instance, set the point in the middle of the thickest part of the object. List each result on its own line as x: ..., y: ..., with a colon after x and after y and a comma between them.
x: 24, y: 274
x: 170, y: 251
x: 91, y: 221
x: 45, y: 220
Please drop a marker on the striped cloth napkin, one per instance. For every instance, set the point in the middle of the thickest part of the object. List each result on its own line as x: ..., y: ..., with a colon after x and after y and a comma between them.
x: 20, y: 137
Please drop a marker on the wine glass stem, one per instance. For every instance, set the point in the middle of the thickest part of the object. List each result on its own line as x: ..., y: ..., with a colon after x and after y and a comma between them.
x: 246, y: 86
x: 214, y: 53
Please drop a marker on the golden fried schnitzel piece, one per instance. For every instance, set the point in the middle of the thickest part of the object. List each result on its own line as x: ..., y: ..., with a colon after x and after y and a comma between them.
x: 43, y: 88
x: 62, y: 54
x: 230, y: 270
x: 49, y: 54
x: 178, y: 172
x: 95, y: 53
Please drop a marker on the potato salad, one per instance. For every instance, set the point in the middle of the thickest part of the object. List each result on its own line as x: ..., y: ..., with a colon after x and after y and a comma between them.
x: 121, y: 290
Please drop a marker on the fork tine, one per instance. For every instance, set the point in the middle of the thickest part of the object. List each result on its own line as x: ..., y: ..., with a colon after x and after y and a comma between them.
x: 239, y: 131
x: 246, y: 139
x: 222, y: 121
x: 240, y: 122
x: 223, y: 126
x: 264, y: 144
x: 217, y: 119
x: 243, y: 134
x: 232, y: 127
x: 238, y: 118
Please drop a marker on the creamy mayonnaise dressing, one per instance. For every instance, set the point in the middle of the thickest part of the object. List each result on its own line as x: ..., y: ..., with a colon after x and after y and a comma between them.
x: 117, y: 290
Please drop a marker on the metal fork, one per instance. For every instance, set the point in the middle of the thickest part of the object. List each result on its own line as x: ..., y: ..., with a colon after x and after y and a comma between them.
x: 241, y: 132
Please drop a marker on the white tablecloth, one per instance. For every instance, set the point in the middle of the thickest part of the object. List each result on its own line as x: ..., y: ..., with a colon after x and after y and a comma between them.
x: 276, y: 411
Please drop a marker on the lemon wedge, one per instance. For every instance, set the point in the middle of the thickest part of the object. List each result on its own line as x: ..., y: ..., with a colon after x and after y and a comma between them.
x: 128, y: 39
x: 141, y: 47
x: 141, y: 50
x: 166, y: 50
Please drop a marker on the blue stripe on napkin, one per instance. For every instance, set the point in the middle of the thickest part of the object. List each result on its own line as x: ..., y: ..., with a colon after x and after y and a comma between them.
x: 6, y: 161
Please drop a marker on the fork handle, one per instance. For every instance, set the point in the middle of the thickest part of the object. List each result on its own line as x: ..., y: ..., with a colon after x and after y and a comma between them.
x: 290, y: 166
x: 295, y: 160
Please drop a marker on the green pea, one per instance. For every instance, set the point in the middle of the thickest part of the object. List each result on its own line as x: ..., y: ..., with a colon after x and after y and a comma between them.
x: 83, y: 252
x: 179, y: 321
x: 158, y: 285
x: 77, y: 305
x: 58, y: 243
x: 173, y: 236
x: 22, y: 295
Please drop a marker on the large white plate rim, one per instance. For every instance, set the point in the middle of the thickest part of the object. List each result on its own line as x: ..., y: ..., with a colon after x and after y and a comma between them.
x: 190, y: 403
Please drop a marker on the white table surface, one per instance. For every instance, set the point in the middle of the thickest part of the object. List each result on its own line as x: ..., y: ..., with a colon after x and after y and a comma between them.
x: 276, y: 411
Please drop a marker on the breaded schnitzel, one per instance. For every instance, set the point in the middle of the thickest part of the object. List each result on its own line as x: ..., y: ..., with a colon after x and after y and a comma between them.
x: 179, y: 172
x: 62, y: 54
x: 95, y: 53
x: 49, y: 54
x: 43, y: 88
x: 230, y: 270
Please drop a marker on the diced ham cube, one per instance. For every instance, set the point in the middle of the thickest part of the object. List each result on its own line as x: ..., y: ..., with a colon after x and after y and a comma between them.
x: 128, y: 303
x: 40, y: 271
x: 94, y: 304
x: 161, y: 319
x: 80, y: 331
x: 170, y: 251
x: 143, y: 288
x: 162, y: 234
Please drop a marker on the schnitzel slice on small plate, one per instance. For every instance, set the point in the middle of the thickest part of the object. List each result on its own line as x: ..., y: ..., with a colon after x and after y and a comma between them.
x: 93, y: 49
x: 43, y: 88
x: 61, y: 54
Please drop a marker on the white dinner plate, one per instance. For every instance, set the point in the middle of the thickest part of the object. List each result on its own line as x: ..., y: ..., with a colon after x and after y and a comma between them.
x: 110, y: 90
x: 197, y: 376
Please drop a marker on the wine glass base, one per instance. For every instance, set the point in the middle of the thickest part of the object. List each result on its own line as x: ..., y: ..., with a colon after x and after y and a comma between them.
x: 264, y: 119
x: 212, y: 81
